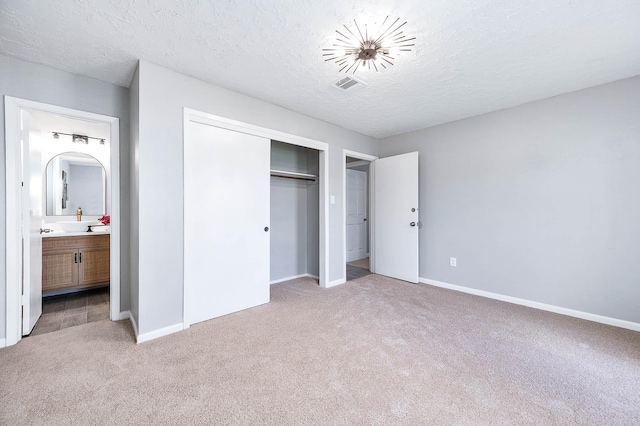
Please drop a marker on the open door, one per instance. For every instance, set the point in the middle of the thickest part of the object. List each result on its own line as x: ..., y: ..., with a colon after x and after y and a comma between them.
x: 226, y: 221
x: 395, y: 208
x: 31, y: 224
x: 356, y: 198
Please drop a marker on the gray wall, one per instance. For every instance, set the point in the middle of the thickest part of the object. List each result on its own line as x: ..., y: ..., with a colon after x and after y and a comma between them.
x: 163, y: 95
x: 540, y: 202
x: 43, y: 84
x: 313, y: 215
x: 288, y: 228
x: 294, y: 220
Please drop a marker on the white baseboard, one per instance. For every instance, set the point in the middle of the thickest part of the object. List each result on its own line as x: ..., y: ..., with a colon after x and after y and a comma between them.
x: 124, y: 315
x: 3, y: 342
x: 537, y: 305
x: 145, y: 337
x: 280, y: 280
x: 127, y: 315
x: 336, y: 282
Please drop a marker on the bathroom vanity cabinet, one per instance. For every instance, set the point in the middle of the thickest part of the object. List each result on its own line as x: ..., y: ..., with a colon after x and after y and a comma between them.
x: 75, y: 262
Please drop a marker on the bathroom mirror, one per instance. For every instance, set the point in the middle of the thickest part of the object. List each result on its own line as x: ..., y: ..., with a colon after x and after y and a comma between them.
x: 75, y: 180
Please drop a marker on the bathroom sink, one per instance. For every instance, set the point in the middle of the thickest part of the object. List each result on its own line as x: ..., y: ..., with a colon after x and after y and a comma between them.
x: 75, y: 226
x: 101, y: 228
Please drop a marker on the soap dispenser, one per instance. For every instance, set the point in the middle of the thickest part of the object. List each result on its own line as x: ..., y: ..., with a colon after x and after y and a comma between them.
x: 79, y: 214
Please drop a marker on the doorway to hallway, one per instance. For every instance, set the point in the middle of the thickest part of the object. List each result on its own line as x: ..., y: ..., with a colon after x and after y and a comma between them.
x: 357, y: 213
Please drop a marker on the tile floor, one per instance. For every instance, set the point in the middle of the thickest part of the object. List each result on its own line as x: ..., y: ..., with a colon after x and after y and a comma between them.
x: 358, y: 269
x: 68, y: 310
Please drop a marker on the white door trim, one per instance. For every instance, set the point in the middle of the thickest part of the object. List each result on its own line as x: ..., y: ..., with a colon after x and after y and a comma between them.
x: 361, y: 156
x: 323, y: 178
x: 13, y: 257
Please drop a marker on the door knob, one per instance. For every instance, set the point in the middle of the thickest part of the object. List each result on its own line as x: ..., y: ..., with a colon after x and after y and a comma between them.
x: 412, y: 224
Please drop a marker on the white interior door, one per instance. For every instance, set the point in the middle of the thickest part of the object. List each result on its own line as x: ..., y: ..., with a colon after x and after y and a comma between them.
x: 226, y: 220
x: 31, y: 224
x: 395, y: 204
x: 356, y: 215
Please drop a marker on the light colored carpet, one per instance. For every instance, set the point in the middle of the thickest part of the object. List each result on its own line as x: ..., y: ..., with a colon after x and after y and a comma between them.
x: 372, y: 351
x: 360, y: 263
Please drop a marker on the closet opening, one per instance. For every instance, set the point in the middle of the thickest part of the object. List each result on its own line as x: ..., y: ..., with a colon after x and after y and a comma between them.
x: 295, y: 212
x: 271, y: 214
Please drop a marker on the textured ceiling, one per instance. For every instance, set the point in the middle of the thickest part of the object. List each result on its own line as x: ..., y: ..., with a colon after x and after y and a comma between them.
x: 471, y: 57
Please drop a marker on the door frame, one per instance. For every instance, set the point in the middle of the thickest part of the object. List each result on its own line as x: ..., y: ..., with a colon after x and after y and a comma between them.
x: 13, y: 253
x: 370, y: 158
x: 190, y: 114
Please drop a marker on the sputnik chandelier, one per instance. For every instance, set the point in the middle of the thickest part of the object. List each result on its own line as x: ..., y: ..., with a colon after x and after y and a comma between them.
x: 374, y: 50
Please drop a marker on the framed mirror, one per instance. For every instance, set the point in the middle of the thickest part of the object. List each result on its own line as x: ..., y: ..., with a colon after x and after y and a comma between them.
x: 75, y: 180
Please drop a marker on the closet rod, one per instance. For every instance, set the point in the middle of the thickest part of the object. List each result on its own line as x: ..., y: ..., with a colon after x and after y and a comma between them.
x: 293, y: 175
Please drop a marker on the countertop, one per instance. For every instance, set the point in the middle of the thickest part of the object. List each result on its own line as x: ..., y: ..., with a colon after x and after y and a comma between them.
x: 72, y: 234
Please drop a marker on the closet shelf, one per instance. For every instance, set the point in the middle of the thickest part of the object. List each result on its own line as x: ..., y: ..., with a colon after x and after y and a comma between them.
x: 293, y: 175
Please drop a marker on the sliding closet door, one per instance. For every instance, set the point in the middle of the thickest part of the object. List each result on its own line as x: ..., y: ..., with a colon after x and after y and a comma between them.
x: 226, y: 221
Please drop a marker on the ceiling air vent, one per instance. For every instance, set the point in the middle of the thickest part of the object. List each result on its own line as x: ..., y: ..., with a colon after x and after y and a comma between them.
x: 347, y: 83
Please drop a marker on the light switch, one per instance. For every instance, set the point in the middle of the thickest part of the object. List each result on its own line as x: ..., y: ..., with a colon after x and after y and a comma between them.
x: 332, y: 199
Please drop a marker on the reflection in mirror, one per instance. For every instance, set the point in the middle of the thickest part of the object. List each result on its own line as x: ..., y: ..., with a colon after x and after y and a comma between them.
x: 75, y: 180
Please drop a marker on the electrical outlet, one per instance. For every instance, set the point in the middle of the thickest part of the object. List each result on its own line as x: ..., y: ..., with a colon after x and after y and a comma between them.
x: 453, y: 261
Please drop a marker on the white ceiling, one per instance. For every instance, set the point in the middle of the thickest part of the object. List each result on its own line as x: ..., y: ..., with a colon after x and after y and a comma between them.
x: 471, y: 57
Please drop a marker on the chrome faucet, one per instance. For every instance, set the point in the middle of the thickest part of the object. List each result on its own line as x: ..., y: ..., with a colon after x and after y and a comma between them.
x: 79, y: 214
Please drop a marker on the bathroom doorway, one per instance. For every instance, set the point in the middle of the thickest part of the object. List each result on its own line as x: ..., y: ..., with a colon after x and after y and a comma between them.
x: 63, y: 216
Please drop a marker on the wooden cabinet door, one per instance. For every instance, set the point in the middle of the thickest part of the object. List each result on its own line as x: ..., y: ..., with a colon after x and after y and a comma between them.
x: 59, y: 270
x: 94, y: 266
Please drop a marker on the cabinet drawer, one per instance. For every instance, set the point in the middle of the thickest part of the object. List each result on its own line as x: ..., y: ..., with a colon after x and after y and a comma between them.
x: 89, y: 241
